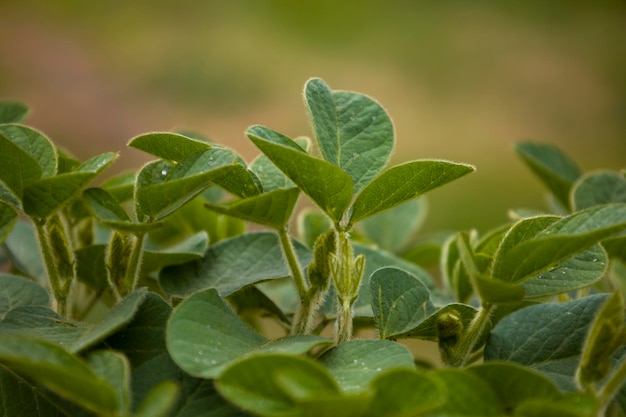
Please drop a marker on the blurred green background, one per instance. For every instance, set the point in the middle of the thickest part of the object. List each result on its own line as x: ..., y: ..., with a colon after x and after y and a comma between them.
x: 463, y: 80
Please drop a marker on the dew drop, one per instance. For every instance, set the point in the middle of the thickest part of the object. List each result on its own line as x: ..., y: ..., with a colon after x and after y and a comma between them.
x: 164, y: 172
x: 379, y: 369
x: 196, y: 360
x: 594, y: 260
x: 200, y: 352
x: 355, y: 361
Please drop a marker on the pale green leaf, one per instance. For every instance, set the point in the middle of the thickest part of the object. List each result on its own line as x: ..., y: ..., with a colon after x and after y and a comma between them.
x: 19, y: 246
x: 353, y: 131
x: 35, y: 144
x: 402, y: 183
x: 326, y: 184
x: 113, y: 368
x: 191, y: 249
x: 598, y: 188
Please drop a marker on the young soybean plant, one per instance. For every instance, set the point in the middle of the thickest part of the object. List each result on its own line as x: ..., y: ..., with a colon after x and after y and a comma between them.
x: 355, y: 137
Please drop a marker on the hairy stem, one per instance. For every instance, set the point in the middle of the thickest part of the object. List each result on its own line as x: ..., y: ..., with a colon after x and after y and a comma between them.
x: 292, y: 261
x: 133, y: 270
x: 613, y: 385
x: 461, y: 352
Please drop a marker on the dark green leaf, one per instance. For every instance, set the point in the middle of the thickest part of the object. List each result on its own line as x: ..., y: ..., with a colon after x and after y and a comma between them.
x: 113, y: 367
x: 204, y: 335
x: 12, y: 111
x: 8, y: 219
x: 356, y: 363
x: 63, y: 373
x: 165, y: 145
x: 353, y: 131
x: 40, y: 322
x: 326, y: 184
x: 159, y: 401
x: 19, y: 398
x: 570, y: 405
x: 598, y: 188
x: 35, y: 144
x: 231, y: 265
x: 90, y: 266
x: 270, y: 176
x: 19, y: 245
x: 273, y: 208
x: 17, y: 292
x: 104, y: 206
x: 402, y: 183
x: 468, y: 395
x: 399, y: 301
x: 311, y: 224
x: 429, y: 328
x: 121, y: 186
x: 18, y: 168
x: 546, y: 337
x: 555, y: 169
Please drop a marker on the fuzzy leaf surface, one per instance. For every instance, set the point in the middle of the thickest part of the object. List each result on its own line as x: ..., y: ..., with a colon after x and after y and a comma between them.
x: 399, y: 301
x: 354, y: 132
x: 17, y: 170
x: 555, y: 169
x: 598, y: 188
x: 402, y: 183
x: 35, y: 144
x: 520, y: 257
x: 326, y: 184
x: 231, y: 265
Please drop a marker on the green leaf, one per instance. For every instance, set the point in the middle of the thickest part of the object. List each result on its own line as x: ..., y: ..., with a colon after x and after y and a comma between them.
x: 170, y: 146
x: 12, y: 111
x: 18, y: 292
x: 598, y: 188
x: 273, y: 208
x: 513, y: 384
x: 35, y: 144
x: 160, y: 400
x: 231, y: 265
x: 468, y: 395
x: 204, y: 335
x: 399, y: 301
x: 326, y: 184
x: 121, y: 186
x: 555, y: 169
x: 278, y: 385
x: 405, y: 393
x: 18, y: 168
x: 8, y: 219
x: 580, y: 271
x: 90, y: 266
x: 104, y: 206
x: 270, y: 176
x: 353, y: 131
x: 402, y: 183
x: 393, y: 228
x: 47, y: 195
x: 569, y: 405
x: 40, y: 322
x: 113, y: 367
x: 429, y: 328
x: 191, y: 249
x: 63, y: 373
x: 19, y: 245
x: 19, y: 398
x: 356, y: 363
x: 536, y: 245
x: 546, y: 337
x: 607, y: 334
x: 116, y: 318
x: 311, y: 224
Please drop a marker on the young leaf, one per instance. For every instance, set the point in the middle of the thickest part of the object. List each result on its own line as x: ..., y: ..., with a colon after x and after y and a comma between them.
x: 19, y: 246
x: 391, y: 229
x: 35, y: 144
x: 47, y: 195
x: 402, y: 183
x: 326, y: 184
x: 555, y: 169
x: 104, y: 206
x: 399, y: 301
x: 18, y: 168
x: 58, y: 370
x: 356, y: 363
x: 204, y: 335
x: 113, y: 367
x: 159, y: 401
x: 546, y: 337
x: 8, y: 219
x: 520, y: 257
x: 272, y: 208
x: 231, y: 265
x: 12, y: 111
x: 431, y: 327
x: 598, y: 188
x: 121, y: 186
x: 354, y: 132
x: 170, y: 146
x: 569, y: 405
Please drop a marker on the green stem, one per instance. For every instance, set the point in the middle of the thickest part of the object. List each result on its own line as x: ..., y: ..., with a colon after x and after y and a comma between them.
x: 292, y: 261
x: 304, y: 318
x: 51, y: 268
x: 344, y: 321
x: 133, y: 270
x: 460, y: 353
x: 613, y: 385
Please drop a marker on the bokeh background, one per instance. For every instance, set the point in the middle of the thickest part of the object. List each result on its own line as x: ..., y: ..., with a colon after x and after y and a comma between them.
x: 462, y: 80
